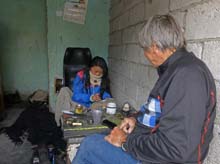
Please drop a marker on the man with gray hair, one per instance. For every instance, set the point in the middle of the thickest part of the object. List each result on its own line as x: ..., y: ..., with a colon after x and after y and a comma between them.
x: 175, y: 125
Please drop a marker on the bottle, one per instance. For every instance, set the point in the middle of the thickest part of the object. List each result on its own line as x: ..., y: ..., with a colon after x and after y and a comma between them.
x: 78, y: 109
x: 50, y: 153
x: 43, y: 154
x: 36, y: 158
x: 53, y: 159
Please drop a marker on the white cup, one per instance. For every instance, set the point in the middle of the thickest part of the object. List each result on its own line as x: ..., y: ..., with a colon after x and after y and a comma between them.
x: 111, y: 108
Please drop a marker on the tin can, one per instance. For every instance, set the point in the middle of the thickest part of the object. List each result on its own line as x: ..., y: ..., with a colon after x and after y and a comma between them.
x: 78, y: 109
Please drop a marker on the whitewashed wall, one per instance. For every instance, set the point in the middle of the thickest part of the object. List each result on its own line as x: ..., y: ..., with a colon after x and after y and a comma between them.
x: 132, y: 77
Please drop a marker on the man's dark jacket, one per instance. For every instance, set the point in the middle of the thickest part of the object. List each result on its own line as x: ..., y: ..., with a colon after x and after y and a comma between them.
x: 186, y: 90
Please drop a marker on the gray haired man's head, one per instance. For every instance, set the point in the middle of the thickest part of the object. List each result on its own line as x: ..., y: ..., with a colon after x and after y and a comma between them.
x: 163, y: 31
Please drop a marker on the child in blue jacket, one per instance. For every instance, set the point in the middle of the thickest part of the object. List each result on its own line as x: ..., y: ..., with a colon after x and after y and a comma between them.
x: 91, y: 85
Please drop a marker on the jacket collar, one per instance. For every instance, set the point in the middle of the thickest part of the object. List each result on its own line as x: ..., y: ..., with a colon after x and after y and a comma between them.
x: 174, y: 57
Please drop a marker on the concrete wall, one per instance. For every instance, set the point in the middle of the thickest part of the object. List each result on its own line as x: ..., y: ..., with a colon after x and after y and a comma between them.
x: 33, y: 39
x: 132, y: 76
x: 63, y: 34
x: 23, y: 45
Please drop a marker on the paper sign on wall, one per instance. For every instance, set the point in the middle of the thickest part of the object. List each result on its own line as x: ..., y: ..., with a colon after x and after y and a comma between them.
x: 75, y: 11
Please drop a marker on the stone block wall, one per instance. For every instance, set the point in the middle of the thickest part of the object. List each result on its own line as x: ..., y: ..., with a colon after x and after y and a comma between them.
x: 132, y: 76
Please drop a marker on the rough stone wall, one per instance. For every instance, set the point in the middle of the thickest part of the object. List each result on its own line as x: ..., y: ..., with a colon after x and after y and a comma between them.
x: 132, y: 76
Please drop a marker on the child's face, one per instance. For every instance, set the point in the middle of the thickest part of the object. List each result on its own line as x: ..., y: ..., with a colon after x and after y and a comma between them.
x: 96, y: 70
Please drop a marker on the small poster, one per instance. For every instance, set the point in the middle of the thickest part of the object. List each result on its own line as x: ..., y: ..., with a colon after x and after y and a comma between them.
x: 75, y: 11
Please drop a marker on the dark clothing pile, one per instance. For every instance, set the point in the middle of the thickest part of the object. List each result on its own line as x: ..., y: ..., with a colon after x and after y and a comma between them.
x: 39, y: 125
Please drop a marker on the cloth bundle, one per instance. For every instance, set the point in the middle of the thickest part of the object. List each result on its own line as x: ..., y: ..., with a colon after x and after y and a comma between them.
x: 38, y: 124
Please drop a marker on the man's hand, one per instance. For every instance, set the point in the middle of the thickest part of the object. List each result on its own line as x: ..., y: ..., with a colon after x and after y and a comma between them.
x: 128, y: 124
x: 116, y: 137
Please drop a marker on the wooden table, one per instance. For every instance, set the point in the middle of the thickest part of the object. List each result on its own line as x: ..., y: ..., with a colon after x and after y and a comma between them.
x: 75, y: 134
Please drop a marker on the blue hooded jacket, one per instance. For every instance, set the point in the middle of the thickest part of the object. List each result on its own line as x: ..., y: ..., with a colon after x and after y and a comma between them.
x: 81, y: 94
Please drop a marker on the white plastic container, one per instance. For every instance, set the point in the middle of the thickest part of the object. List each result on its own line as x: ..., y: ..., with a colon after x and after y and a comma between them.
x: 111, y: 108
